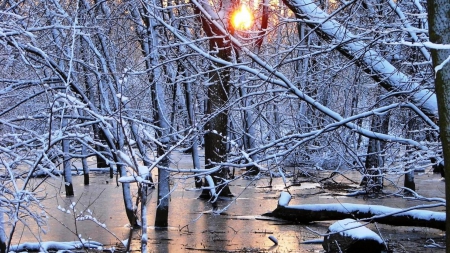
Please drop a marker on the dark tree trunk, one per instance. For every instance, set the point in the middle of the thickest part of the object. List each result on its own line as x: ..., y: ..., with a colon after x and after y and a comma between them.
x: 249, y: 131
x: 2, y: 234
x: 216, y: 128
x: 373, y: 179
x: 412, y: 132
x: 100, y: 137
x: 89, y: 92
x: 2, y: 247
x: 409, y: 181
x: 375, y: 148
x: 189, y: 100
x: 85, y: 164
x: 439, y: 26
x: 149, y: 42
x: 162, y: 211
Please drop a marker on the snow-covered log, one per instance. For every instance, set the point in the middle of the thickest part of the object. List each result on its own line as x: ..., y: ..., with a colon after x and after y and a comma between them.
x: 370, y: 213
x: 370, y: 60
x: 349, y: 235
x: 52, y: 245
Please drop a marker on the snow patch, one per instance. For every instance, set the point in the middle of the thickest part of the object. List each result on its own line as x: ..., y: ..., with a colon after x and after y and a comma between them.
x: 284, y: 200
x: 352, y: 228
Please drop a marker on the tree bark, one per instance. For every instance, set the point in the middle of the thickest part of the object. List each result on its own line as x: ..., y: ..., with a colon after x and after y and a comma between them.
x: 218, y: 90
x: 84, y: 163
x: 141, y: 147
x: 144, y: 237
x: 2, y: 234
x: 149, y: 44
x: 66, y: 162
x: 162, y: 209
x: 189, y: 100
x: 249, y: 129
x: 439, y: 30
x: 375, y: 159
x: 127, y: 199
x: 216, y: 128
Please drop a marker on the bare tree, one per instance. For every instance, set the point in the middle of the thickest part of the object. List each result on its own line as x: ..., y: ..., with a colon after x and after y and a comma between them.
x: 299, y: 87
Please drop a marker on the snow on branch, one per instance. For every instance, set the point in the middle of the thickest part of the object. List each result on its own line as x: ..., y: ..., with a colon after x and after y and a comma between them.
x: 373, y: 62
x: 281, y: 80
x: 382, y: 214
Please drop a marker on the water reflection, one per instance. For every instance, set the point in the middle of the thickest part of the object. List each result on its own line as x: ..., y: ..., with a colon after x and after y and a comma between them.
x: 194, y: 227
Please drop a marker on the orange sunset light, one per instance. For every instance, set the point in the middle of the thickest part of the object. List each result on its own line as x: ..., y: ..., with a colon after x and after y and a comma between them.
x: 242, y: 18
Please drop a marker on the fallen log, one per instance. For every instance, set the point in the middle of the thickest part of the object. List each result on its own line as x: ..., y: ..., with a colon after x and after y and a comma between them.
x: 55, y: 246
x: 351, y: 236
x: 370, y: 213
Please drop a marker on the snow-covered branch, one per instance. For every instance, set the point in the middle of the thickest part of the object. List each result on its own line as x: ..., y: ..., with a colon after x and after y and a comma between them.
x: 372, y: 61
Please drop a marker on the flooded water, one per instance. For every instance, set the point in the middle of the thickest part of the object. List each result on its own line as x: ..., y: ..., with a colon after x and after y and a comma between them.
x: 239, y: 228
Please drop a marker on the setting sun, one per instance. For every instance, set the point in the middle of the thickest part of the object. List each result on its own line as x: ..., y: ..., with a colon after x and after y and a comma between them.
x: 242, y: 18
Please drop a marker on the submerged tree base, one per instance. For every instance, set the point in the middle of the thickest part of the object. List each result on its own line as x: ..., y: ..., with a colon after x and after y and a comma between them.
x: 225, y: 193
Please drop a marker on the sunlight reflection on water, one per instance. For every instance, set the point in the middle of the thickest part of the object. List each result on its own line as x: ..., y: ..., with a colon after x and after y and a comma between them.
x: 193, y: 225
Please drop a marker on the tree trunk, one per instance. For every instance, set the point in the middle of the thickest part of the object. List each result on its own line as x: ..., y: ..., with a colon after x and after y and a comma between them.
x: 127, y: 199
x: 249, y: 129
x: 2, y: 234
x: 144, y: 223
x: 374, y: 159
x: 66, y: 162
x: 380, y: 124
x: 216, y: 128
x: 84, y: 156
x: 191, y: 116
x: 439, y: 26
x: 174, y: 109
x: 149, y: 44
x: 218, y: 90
x: 126, y: 189
x: 162, y: 209
x: 99, y: 136
x: 409, y: 180
x: 85, y: 164
x: 413, y: 132
x: 141, y: 147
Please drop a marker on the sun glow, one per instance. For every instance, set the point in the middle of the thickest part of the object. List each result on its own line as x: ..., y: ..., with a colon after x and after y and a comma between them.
x: 242, y: 18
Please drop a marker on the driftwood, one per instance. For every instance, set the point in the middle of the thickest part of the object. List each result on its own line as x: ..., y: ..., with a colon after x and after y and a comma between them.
x: 370, y: 213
